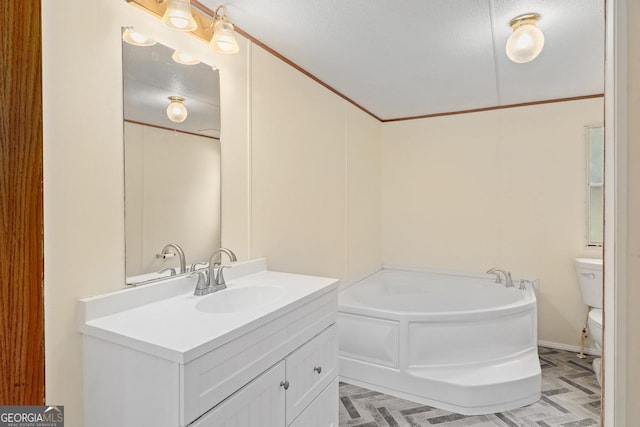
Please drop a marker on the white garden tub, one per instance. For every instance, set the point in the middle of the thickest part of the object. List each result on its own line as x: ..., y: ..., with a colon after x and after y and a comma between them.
x: 456, y: 342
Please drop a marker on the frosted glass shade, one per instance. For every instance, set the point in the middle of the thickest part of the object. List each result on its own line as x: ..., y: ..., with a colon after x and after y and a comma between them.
x: 525, y: 43
x: 137, y: 39
x: 224, y: 40
x: 176, y: 111
x: 184, y: 58
x: 178, y: 15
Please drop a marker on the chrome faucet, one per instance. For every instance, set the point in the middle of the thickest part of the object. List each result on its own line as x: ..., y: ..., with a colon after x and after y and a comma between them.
x: 166, y: 253
x: 507, y: 276
x: 217, y: 280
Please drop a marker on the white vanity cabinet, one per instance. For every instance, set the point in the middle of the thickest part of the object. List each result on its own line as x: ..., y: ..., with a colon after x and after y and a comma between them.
x: 275, y: 368
x: 301, y: 390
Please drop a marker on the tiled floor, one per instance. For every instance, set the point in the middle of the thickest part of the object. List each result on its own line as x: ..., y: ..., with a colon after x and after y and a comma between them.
x: 570, y: 398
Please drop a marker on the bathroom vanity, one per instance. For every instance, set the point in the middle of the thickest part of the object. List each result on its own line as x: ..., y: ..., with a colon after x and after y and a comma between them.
x: 262, y: 352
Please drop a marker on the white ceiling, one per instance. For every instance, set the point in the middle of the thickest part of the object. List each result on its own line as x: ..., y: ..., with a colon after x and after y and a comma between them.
x: 409, y: 58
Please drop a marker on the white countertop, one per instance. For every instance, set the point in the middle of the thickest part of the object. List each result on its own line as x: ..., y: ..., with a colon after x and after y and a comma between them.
x: 161, y: 319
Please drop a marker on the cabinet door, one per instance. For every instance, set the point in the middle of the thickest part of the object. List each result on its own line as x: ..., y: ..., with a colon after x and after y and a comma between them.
x: 259, y: 403
x: 322, y: 412
x: 310, y: 369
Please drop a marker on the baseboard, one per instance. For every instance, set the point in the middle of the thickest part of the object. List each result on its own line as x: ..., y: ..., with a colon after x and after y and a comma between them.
x: 574, y: 348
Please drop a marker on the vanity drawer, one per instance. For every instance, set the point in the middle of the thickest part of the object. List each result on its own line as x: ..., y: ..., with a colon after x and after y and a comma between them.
x: 310, y: 369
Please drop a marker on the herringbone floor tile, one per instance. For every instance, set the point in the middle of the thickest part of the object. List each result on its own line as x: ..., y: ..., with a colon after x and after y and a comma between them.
x: 570, y: 398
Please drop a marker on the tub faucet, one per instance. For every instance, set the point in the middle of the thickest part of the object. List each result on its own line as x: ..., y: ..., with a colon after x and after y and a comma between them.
x: 166, y: 253
x: 217, y: 280
x: 507, y: 276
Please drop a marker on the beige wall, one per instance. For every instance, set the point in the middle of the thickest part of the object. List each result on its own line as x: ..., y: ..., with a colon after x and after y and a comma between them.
x: 633, y: 216
x: 364, y: 194
x: 498, y: 188
x: 83, y: 184
x: 308, y: 149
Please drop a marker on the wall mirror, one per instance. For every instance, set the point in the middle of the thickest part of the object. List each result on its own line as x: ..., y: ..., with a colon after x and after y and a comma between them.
x: 172, y: 167
x: 595, y: 183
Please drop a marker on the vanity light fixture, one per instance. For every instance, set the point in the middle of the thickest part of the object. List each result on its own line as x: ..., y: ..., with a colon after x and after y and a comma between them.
x: 213, y: 28
x: 184, y: 58
x: 137, y: 39
x: 527, y: 40
x: 178, y: 15
x: 176, y: 111
x: 223, y: 40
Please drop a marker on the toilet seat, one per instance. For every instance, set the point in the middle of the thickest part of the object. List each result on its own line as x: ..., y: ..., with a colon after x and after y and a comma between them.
x: 595, y: 315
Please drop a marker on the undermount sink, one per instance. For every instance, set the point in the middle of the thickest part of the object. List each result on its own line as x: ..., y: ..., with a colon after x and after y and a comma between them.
x: 235, y: 300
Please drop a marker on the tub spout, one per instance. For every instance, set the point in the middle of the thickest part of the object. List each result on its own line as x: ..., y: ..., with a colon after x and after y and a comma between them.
x: 495, y: 271
x: 507, y: 276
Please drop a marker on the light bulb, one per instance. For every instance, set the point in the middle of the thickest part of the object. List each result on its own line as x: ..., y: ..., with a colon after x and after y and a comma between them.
x: 178, y: 15
x: 223, y: 40
x: 526, y: 41
x: 137, y: 39
x: 176, y: 111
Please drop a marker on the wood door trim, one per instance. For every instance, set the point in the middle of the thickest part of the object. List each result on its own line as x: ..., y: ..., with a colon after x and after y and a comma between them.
x: 21, y: 205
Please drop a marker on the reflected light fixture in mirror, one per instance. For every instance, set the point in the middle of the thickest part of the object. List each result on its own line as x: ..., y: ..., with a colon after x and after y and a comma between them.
x: 176, y: 111
x: 184, y: 58
x: 527, y: 40
x: 178, y: 15
x: 137, y: 39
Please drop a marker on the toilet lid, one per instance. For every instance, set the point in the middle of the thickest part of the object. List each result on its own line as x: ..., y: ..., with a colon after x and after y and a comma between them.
x: 595, y: 315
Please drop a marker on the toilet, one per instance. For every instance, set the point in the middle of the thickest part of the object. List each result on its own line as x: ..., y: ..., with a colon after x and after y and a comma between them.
x: 589, y: 273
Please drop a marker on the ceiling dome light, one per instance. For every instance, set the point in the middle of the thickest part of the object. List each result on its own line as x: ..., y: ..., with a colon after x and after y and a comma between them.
x: 184, y: 58
x: 137, y: 39
x: 176, y: 111
x: 178, y: 15
x: 527, y: 40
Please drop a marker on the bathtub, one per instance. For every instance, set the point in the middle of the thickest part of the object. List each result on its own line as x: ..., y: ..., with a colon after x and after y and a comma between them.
x: 457, y: 342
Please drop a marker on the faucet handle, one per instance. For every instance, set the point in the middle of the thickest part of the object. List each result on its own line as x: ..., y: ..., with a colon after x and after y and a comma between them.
x: 170, y: 270
x: 165, y: 255
x: 202, y: 287
x: 508, y: 279
x: 194, y: 266
x: 219, y: 279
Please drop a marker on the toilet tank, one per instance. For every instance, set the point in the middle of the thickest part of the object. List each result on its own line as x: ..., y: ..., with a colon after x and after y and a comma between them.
x: 589, y: 273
